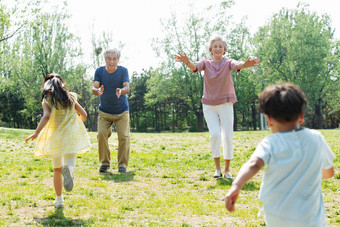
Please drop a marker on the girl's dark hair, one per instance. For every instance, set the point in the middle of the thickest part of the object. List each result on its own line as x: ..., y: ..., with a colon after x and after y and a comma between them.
x: 55, y: 88
x: 283, y: 102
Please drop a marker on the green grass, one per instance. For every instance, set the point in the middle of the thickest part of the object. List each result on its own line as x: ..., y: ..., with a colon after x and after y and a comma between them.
x: 170, y: 184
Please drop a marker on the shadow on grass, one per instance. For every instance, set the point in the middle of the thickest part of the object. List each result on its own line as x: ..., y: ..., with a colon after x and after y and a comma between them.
x: 58, y: 219
x: 118, y: 177
x: 250, y: 186
x: 222, y: 181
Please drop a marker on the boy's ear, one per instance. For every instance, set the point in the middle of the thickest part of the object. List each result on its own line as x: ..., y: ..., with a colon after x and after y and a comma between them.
x: 302, y: 118
x: 270, y: 122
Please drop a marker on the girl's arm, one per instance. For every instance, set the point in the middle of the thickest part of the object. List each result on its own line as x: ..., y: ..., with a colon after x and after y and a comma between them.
x: 43, y: 121
x: 184, y: 58
x: 80, y: 111
x: 247, y: 171
x: 248, y: 63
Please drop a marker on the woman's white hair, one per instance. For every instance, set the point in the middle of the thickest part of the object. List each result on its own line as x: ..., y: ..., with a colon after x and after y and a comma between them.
x: 217, y: 38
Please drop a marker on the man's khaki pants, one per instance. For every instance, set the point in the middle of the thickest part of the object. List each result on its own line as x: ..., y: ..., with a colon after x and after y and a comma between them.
x: 121, y: 121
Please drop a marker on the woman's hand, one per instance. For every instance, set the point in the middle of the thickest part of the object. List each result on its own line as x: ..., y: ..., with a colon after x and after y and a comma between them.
x: 182, y: 58
x: 251, y: 63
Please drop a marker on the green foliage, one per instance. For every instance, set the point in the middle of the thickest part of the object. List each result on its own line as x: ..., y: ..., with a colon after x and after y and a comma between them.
x: 11, y: 104
x: 51, y: 41
x: 298, y: 46
x: 43, y: 46
x: 4, y: 21
x: 139, y: 112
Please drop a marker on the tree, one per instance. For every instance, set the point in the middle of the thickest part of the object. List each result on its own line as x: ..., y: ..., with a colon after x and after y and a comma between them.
x: 297, y: 46
x: 138, y: 109
x: 14, y: 19
x: 43, y: 46
x: 11, y: 104
x: 51, y: 42
x: 166, y: 98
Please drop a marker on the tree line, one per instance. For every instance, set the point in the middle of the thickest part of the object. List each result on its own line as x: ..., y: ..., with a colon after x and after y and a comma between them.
x: 295, y: 45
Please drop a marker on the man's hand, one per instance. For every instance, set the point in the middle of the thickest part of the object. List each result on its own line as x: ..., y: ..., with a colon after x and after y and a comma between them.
x: 101, y: 90
x: 118, y: 92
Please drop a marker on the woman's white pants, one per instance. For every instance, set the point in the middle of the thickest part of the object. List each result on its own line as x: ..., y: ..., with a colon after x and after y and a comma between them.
x: 220, y: 120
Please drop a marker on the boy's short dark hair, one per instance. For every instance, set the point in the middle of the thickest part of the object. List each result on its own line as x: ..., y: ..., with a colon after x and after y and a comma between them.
x: 284, y: 102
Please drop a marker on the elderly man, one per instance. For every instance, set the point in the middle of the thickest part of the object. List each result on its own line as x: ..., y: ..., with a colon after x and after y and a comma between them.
x: 111, y: 84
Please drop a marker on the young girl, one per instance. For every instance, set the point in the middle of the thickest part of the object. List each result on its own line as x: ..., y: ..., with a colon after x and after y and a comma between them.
x: 61, y: 133
x: 218, y: 98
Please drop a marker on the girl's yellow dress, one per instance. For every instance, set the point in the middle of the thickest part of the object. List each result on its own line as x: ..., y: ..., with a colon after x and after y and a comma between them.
x: 64, y: 133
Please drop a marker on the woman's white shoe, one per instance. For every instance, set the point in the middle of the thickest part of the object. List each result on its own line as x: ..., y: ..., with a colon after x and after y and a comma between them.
x: 228, y: 176
x: 217, y: 174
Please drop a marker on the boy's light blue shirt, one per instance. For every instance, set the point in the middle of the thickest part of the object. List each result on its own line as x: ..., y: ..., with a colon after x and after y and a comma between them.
x: 291, y: 186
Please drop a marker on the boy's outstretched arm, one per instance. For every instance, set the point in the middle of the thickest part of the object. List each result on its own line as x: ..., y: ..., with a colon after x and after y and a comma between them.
x: 327, y: 173
x: 247, y: 171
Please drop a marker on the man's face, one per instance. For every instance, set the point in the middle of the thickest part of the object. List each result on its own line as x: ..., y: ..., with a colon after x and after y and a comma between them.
x: 111, y: 61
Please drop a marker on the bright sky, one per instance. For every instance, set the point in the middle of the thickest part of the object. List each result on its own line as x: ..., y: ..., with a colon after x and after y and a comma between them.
x: 136, y: 22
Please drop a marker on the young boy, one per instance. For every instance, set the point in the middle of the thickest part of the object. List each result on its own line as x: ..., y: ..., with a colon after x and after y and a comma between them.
x: 296, y: 158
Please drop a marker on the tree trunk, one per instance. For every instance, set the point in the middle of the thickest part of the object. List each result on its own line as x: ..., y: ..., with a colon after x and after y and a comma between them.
x: 253, y: 114
x: 235, y: 120
x: 317, y: 122
x: 200, y: 119
x: 157, y: 128
x: 199, y: 116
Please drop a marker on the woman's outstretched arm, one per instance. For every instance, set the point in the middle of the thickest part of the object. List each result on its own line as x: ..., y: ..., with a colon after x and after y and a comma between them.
x: 249, y: 63
x: 184, y: 58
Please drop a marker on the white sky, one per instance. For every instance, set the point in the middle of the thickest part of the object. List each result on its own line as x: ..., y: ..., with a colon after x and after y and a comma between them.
x: 136, y: 22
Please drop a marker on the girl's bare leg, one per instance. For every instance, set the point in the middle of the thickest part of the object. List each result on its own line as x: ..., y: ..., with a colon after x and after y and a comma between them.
x: 58, y: 181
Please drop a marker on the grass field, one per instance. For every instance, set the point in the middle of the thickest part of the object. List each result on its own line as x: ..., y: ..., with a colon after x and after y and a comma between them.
x: 170, y: 184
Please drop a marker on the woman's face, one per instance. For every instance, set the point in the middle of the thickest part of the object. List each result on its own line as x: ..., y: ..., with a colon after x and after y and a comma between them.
x: 217, y: 49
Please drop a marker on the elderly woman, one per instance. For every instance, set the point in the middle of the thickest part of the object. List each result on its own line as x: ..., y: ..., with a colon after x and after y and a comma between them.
x: 218, y: 98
